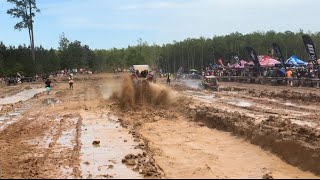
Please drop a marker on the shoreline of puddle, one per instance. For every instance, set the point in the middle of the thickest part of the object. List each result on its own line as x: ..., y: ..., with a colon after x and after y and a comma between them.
x: 23, y: 96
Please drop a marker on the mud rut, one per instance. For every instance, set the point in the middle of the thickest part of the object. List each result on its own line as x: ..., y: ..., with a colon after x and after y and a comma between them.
x: 201, y: 135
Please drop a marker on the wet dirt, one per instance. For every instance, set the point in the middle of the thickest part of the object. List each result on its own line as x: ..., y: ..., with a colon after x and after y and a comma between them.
x: 114, y: 143
x: 159, y: 131
x: 200, y: 152
x: 21, y: 96
x: 221, y: 118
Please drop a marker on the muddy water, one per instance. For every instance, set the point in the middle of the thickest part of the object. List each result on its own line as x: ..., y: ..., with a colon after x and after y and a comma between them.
x: 192, y: 83
x: 240, y: 103
x: 108, y: 88
x: 105, y: 160
x: 21, y: 96
x: 12, y: 117
x: 200, y: 152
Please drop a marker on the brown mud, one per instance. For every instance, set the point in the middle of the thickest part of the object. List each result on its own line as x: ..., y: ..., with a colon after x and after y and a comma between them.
x: 159, y: 131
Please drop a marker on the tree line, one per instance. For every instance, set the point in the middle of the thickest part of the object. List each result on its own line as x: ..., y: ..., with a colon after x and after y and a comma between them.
x: 189, y: 53
x: 199, y: 52
x: 20, y: 59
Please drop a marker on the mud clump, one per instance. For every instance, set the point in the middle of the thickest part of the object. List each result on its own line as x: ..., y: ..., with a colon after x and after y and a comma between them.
x: 96, y: 143
x: 140, y: 92
x: 144, y: 164
x: 267, y: 176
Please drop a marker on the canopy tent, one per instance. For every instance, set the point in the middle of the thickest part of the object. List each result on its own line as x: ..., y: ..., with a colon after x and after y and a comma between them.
x: 141, y: 68
x: 267, y: 61
x: 240, y: 65
x: 295, y: 61
x: 193, y: 70
x: 251, y: 63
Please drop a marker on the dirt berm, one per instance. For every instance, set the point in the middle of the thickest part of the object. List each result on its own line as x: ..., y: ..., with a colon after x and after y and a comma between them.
x: 297, y: 145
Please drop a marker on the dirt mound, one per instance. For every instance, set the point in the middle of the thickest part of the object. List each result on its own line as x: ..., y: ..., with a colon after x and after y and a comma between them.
x: 286, y: 95
x: 141, y: 92
x: 297, y: 145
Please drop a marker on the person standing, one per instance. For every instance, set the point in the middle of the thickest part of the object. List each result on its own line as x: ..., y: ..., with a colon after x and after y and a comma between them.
x: 71, y: 82
x: 168, y: 79
x: 48, y: 85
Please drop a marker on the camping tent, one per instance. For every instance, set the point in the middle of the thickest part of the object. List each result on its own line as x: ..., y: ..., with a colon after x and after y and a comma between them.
x: 295, y: 61
x: 267, y: 61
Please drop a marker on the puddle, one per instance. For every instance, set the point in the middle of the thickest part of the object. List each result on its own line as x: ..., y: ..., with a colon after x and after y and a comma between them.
x: 50, y: 102
x: 201, y: 96
x: 12, y: 117
x: 40, y: 142
x: 240, y: 103
x: 115, y: 144
x: 22, y: 96
x: 289, y: 104
x: 304, y: 123
x: 191, y: 83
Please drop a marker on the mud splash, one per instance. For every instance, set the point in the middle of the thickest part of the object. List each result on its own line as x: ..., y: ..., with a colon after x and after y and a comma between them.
x: 141, y: 93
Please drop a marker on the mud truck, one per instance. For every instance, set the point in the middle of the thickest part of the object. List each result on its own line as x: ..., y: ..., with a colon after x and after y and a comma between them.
x: 142, y: 72
x: 210, y: 82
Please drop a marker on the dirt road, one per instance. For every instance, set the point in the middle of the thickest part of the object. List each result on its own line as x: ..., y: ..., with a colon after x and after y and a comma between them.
x: 182, y: 132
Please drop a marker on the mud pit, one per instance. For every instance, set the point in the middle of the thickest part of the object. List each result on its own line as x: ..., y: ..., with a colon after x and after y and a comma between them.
x: 154, y: 130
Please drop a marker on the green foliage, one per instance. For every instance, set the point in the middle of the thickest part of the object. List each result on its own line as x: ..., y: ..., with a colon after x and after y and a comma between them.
x: 189, y: 54
x: 18, y: 59
x: 77, y: 56
x: 24, y: 10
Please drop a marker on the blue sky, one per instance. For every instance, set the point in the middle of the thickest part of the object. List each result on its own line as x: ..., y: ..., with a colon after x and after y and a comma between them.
x: 104, y: 24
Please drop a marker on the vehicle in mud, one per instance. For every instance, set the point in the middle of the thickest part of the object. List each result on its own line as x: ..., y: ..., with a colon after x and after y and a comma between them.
x: 210, y: 82
x: 142, y: 72
x: 11, y: 81
x: 27, y: 79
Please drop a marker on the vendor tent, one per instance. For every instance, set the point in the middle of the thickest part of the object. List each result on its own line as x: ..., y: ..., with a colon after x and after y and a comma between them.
x: 295, y: 61
x: 240, y: 65
x: 267, y: 61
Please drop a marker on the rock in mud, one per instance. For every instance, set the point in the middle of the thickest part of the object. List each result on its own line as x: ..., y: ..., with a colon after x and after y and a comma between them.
x: 267, y: 176
x: 129, y: 156
x: 130, y: 162
x: 96, y: 143
x: 143, y: 164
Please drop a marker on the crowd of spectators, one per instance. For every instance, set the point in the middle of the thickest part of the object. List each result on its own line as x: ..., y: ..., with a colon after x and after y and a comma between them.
x: 250, y: 71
